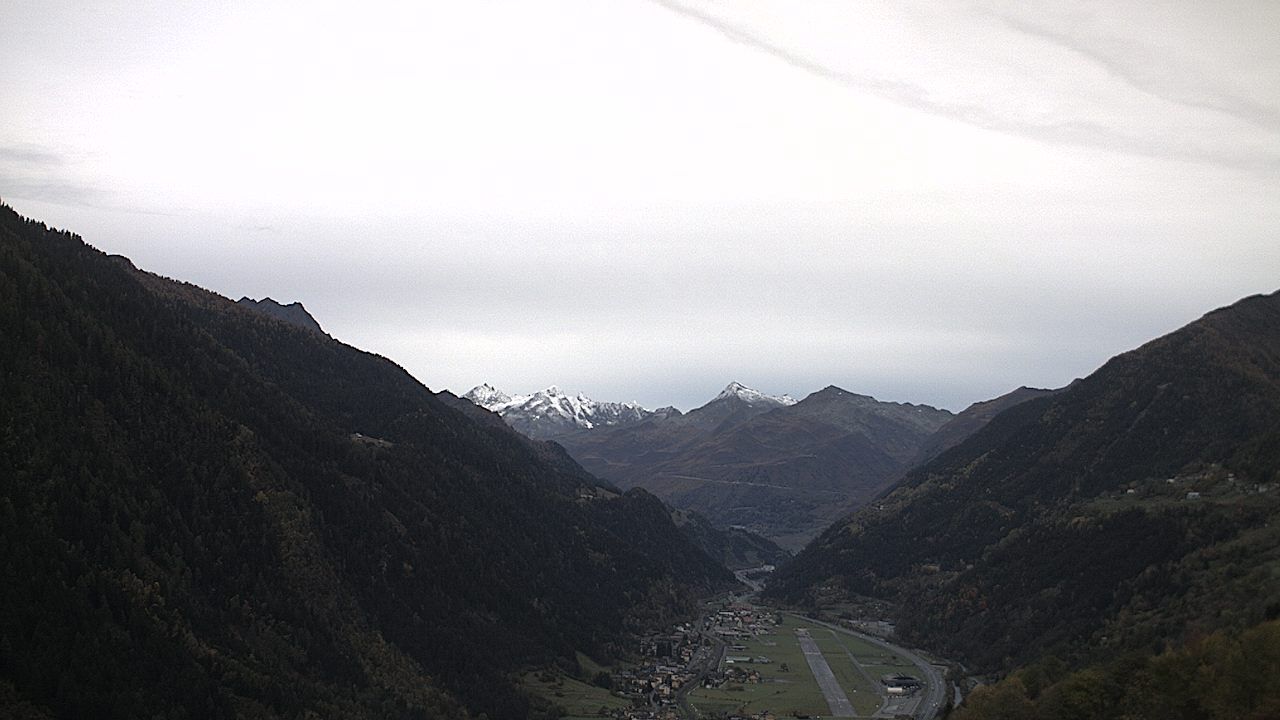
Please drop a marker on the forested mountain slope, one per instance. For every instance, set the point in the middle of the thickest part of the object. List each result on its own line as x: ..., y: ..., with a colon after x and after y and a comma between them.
x: 735, y: 548
x: 1228, y: 675
x: 206, y: 512
x: 971, y: 420
x: 1135, y: 507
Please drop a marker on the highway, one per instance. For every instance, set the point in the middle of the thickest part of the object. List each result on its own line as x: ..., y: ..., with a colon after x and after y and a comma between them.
x: 934, y: 693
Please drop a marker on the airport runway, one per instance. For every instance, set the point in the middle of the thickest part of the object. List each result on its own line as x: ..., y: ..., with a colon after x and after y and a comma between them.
x: 928, y: 704
x: 837, y: 701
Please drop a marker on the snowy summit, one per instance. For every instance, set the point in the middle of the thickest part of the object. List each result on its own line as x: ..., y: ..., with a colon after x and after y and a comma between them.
x: 487, y: 396
x: 552, y: 412
x: 753, y: 397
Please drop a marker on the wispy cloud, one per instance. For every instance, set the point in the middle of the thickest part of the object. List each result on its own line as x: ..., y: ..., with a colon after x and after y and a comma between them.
x: 1111, y: 55
x: 33, y: 172
x: 1083, y: 131
x: 30, y: 155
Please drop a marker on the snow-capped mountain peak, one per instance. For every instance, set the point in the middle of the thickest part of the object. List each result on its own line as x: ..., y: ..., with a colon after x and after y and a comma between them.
x: 752, y: 397
x: 487, y: 396
x: 552, y: 412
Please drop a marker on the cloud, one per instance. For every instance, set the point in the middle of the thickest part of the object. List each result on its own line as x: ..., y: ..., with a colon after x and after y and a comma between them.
x: 34, y: 172
x: 1100, y: 131
x: 30, y: 155
x: 1182, y: 88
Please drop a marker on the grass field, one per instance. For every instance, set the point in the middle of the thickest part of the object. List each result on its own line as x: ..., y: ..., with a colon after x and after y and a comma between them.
x: 785, y: 693
x: 862, y: 691
x: 789, y: 693
x: 579, y: 699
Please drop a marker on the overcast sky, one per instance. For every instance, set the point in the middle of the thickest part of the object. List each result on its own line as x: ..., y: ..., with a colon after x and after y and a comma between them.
x: 645, y: 199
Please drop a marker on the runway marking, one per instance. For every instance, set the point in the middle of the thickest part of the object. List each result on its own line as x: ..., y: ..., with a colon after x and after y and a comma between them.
x: 837, y: 701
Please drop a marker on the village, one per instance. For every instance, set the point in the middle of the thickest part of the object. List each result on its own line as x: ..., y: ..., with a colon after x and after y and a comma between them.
x: 741, y: 661
x: 705, y: 653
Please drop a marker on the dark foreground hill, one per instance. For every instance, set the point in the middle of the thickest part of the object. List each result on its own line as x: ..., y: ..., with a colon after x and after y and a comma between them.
x: 1136, y: 507
x: 206, y: 512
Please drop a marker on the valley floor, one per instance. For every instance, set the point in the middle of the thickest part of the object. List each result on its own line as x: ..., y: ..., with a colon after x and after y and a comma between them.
x: 802, y: 667
x: 741, y: 659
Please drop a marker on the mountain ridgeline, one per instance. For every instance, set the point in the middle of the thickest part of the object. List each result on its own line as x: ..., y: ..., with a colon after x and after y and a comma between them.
x: 208, y: 512
x: 551, y: 413
x: 293, y: 313
x: 971, y: 420
x: 777, y: 467
x: 1135, y: 508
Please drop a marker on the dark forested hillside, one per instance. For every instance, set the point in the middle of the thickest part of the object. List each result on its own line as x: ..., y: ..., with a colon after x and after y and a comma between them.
x: 971, y: 420
x: 207, y: 512
x: 1138, y: 506
x: 735, y: 548
x: 1223, y: 676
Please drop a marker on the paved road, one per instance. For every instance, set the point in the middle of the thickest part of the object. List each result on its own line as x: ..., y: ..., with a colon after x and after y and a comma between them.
x: 934, y: 687
x: 706, y: 660
x: 755, y: 585
x: 837, y: 701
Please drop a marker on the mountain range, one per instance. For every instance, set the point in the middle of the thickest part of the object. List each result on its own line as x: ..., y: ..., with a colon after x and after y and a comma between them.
x: 209, y: 511
x: 770, y: 464
x: 550, y: 413
x: 1132, y: 511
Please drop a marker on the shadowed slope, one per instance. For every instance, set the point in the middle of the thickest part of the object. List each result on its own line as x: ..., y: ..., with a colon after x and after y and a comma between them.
x: 208, y: 513
x: 1133, y: 505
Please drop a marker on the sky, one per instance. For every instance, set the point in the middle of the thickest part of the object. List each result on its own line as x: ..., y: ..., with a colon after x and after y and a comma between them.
x: 643, y: 200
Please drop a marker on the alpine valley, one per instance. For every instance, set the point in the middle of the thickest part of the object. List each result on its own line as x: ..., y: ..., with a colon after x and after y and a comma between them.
x: 215, y: 509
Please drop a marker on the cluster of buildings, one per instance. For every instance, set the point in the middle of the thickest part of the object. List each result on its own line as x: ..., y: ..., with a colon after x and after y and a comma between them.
x: 647, y: 713
x: 898, y: 684
x: 742, y: 621
x: 879, y: 628
x: 671, y: 661
x: 733, y: 623
x: 731, y: 674
x: 688, y: 653
x: 1213, y: 480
